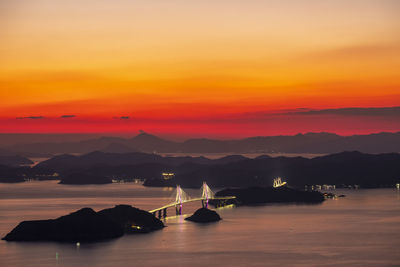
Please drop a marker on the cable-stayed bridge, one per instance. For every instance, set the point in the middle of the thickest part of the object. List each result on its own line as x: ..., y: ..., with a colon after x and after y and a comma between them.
x: 181, y: 197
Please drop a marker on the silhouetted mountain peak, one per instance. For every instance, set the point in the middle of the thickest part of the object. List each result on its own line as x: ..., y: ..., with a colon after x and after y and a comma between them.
x: 81, y: 212
x: 146, y: 137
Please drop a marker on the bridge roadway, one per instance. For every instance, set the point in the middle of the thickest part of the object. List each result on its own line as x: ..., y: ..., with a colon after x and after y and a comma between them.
x: 189, y: 200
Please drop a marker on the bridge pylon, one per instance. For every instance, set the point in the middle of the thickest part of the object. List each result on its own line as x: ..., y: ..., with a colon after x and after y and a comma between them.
x: 206, y: 194
x: 182, y: 197
x: 179, y: 198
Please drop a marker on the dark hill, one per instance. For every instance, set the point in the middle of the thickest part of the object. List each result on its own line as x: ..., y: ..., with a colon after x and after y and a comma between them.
x: 367, y: 170
x: 69, y: 162
x: 345, y: 168
x: 11, y: 174
x: 84, y: 225
x: 131, y: 219
x: 151, y: 143
x: 260, y: 195
x: 229, y: 159
x: 14, y: 161
x: 204, y: 215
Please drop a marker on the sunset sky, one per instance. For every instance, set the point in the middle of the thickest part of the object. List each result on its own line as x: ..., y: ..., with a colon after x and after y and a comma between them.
x: 221, y: 68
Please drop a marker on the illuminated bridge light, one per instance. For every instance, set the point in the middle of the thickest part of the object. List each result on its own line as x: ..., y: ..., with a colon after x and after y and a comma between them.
x: 180, y: 197
x: 168, y: 175
x: 278, y: 182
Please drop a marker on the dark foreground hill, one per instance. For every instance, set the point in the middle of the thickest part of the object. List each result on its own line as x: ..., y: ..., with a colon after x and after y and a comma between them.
x: 86, y: 225
x: 132, y: 219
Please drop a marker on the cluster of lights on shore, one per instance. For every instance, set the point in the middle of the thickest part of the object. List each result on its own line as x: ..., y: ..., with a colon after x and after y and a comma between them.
x: 278, y: 182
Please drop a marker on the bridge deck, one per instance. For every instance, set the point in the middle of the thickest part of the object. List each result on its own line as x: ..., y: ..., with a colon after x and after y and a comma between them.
x: 189, y: 200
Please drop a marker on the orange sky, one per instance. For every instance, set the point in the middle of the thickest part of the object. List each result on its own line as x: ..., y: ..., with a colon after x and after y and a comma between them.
x: 197, y: 67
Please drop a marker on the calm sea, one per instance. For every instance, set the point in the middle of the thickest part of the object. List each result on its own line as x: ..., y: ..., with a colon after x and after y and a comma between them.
x: 362, y: 229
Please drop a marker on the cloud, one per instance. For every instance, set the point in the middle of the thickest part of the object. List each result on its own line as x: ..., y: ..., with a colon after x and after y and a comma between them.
x: 30, y: 117
x: 67, y: 116
x: 382, y: 111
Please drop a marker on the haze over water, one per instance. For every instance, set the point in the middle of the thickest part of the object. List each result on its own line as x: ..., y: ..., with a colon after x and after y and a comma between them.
x: 362, y: 229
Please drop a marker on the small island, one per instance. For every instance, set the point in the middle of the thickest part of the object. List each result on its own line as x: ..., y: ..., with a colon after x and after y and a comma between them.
x: 204, y: 215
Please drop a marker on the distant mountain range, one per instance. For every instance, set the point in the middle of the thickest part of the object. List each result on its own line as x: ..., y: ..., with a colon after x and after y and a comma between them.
x: 69, y: 163
x: 14, y: 161
x: 345, y: 168
x: 366, y: 170
x: 319, y: 143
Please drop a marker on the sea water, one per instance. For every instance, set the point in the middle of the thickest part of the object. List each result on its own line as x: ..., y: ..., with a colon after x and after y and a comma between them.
x: 361, y: 229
